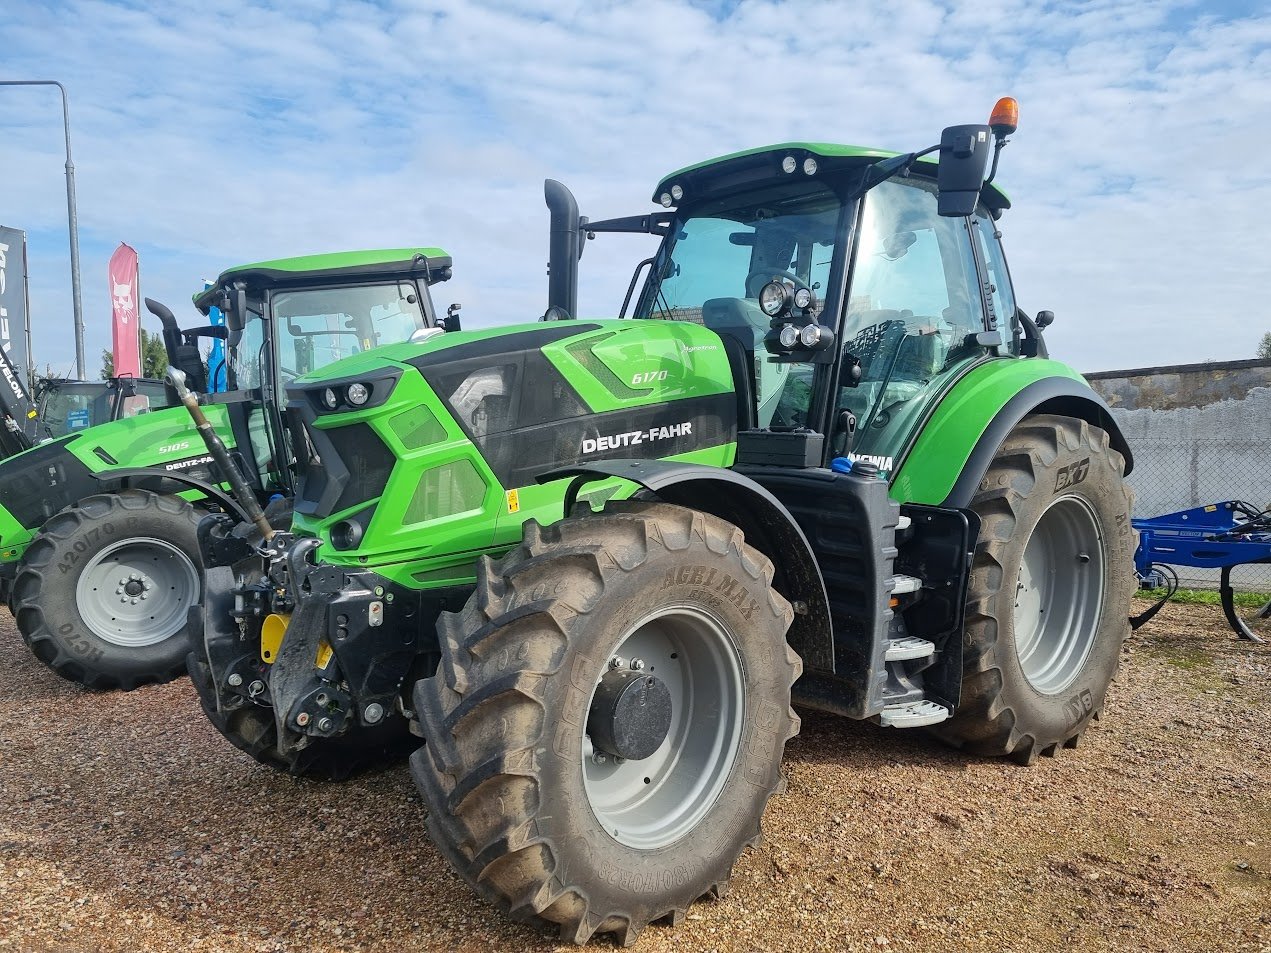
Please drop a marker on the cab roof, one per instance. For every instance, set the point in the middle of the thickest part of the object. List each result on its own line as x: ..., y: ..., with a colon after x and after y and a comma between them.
x: 434, y: 263
x: 755, y: 166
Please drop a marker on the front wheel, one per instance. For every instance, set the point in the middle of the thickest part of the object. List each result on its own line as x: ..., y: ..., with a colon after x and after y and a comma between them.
x: 607, y: 723
x: 103, y: 593
x: 251, y: 729
x: 1048, y: 601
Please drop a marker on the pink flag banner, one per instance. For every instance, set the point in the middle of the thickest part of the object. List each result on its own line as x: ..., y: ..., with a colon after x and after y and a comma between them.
x: 125, y: 326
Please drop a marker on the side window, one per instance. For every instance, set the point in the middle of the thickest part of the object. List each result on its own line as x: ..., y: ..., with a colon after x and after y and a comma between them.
x: 915, y: 267
x: 999, y: 277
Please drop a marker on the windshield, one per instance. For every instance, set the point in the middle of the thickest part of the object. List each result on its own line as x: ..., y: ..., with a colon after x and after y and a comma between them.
x: 728, y: 250
x: 318, y: 326
x: 711, y: 268
x: 73, y: 406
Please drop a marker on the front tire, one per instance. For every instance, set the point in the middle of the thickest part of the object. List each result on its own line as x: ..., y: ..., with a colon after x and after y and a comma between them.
x: 1048, y: 602
x: 251, y: 729
x: 103, y: 593
x: 557, y: 803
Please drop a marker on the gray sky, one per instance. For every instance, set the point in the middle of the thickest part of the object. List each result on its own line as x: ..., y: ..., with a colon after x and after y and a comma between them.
x: 214, y: 133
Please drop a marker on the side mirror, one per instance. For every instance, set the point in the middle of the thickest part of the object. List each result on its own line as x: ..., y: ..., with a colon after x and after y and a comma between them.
x: 1045, y: 319
x: 451, y: 321
x: 964, y: 159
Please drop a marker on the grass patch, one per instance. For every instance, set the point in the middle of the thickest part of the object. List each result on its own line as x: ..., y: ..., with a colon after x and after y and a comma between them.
x: 1208, y: 597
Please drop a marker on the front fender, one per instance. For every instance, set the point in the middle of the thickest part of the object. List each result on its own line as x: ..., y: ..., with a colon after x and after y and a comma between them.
x: 762, y: 518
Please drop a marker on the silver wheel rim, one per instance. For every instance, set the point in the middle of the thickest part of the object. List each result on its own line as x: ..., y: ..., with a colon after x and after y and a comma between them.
x: 655, y: 801
x: 137, y: 592
x: 1059, y: 594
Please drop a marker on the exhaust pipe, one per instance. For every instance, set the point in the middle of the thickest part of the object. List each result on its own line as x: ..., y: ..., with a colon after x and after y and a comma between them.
x: 564, y: 248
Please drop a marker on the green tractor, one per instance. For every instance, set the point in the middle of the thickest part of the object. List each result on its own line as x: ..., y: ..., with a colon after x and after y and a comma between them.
x: 99, y: 559
x: 64, y: 405
x: 591, y: 564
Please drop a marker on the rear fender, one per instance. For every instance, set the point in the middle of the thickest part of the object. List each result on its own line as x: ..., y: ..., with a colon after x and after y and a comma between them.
x: 766, y: 523
x: 957, y: 444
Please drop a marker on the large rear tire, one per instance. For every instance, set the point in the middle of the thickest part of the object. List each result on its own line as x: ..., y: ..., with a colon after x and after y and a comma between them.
x: 1048, y: 602
x: 553, y: 787
x: 103, y: 593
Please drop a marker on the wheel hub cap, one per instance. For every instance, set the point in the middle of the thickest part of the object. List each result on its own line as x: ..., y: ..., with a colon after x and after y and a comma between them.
x: 1059, y: 595
x: 630, y: 715
x: 685, y: 729
x: 137, y: 592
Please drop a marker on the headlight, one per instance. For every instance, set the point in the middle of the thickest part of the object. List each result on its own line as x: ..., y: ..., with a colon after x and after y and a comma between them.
x: 358, y: 394
x: 666, y: 200
x: 677, y: 192
x: 346, y: 534
x: 772, y: 298
x: 789, y: 164
x: 810, y: 336
x: 803, y: 298
x: 789, y: 336
x: 809, y: 166
x: 329, y: 399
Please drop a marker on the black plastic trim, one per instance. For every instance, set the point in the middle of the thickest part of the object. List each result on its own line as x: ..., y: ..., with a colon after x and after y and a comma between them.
x: 761, y: 517
x: 140, y: 476
x: 502, y: 344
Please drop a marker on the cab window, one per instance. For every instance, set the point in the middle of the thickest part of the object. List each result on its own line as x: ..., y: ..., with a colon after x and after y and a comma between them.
x: 913, y: 309
x: 1002, y: 296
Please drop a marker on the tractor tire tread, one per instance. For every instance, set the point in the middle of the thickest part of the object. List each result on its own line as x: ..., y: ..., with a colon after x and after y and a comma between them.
x: 479, y: 771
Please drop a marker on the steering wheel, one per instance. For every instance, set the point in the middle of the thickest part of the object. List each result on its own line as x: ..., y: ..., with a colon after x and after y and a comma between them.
x: 762, y: 277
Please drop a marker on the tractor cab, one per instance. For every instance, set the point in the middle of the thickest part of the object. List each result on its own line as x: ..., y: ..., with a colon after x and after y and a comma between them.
x: 859, y: 284
x: 289, y: 317
x: 65, y: 406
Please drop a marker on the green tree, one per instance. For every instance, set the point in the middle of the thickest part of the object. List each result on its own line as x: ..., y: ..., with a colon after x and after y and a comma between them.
x: 154, y: 359
x: 1264, y: 347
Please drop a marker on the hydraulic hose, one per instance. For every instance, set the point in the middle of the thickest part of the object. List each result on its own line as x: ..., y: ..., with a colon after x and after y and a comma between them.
x: 216, y: 449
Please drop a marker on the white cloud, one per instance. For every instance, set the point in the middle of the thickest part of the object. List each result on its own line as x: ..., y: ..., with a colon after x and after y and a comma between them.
x: 208, y: 134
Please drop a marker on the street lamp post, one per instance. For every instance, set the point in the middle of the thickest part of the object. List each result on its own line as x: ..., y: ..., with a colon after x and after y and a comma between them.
x: 71, y: 217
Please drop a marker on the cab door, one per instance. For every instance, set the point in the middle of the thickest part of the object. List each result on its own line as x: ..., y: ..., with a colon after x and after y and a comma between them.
x: 914, y: 308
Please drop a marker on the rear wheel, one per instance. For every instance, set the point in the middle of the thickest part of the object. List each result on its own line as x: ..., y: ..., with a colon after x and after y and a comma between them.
x: 103, y: 593
x: 607, y: 723
x: 1048, y: 603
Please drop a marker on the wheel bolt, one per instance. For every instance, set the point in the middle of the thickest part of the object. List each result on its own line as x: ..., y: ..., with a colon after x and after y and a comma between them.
x: 373, y: 712
x: 134, y: 600
x: 637, y: 664
x: 235, y: 679
x: 324, y: 724
x: 617, y: 662
x: 133, y: 577
x: 119, y: 590
x: 302, y: 719
x: 599, y: 758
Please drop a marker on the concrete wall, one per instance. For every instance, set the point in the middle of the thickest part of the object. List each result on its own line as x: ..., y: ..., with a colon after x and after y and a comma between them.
x: 1200, y: 433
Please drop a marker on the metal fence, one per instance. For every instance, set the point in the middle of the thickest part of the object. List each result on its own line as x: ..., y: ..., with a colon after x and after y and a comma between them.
x: 1178, y: 470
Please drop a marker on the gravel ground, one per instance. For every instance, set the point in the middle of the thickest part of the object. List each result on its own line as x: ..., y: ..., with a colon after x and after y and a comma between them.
x: 128, y: 824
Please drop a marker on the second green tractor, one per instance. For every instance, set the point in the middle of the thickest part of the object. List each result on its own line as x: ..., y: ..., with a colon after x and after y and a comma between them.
x: 592, y: 564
